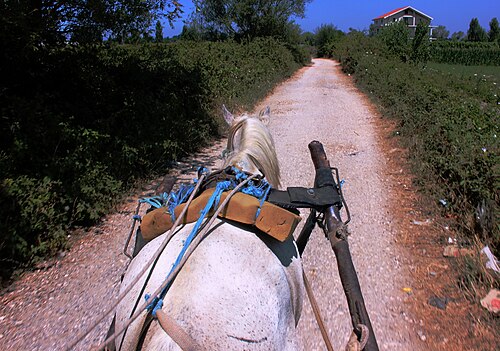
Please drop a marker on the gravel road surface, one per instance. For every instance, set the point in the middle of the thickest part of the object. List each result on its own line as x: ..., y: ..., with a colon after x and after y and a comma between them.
x: 46, y: 309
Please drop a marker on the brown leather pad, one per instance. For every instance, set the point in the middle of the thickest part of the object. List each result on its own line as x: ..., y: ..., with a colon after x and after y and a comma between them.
x: 273, y: 220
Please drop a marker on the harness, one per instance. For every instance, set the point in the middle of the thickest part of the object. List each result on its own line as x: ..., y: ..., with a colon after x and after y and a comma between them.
x: 272, y: 211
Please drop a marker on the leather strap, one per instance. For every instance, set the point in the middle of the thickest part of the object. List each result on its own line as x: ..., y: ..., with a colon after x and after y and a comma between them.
x: 297, y: 197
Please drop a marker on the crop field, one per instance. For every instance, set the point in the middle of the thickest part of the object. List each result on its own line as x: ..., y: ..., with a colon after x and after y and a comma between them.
x: 490, y: 73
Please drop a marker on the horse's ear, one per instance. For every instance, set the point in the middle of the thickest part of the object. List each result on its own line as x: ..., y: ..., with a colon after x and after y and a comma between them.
x: 228, y: 116
x: 265, y: 115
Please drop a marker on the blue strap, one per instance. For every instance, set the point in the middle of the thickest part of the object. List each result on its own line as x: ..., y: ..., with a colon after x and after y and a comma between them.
x: 213, y: 201
x: 261, y: 192
x: 155, y: 304
x: 178, y: 198
x: 262, y: 200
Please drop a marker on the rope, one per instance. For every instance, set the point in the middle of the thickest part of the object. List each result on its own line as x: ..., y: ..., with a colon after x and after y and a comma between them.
x: 174, y: 273
x: 146, y: 267
x: 214, y: 199
x: 317, y: 315
x: 155, y: 201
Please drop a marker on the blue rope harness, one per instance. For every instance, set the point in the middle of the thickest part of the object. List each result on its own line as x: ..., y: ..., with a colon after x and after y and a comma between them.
x: 181, y: 196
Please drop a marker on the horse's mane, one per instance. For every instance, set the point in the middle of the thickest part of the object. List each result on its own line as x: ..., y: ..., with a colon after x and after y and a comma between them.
x: 256, y: 146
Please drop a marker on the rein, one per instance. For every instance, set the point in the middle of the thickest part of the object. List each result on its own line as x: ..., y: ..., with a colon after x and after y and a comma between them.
x: 146, y: 267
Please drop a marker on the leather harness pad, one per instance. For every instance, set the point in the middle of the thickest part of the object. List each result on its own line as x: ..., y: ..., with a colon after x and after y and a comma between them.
x: 273, y: 220
x: 297, y: 197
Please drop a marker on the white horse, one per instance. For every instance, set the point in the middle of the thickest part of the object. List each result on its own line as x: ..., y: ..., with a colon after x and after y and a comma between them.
x: 240, y: 289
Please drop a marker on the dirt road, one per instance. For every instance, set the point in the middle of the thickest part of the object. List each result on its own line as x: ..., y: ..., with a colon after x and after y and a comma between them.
x: 321, y: 104
x: 45, y: 309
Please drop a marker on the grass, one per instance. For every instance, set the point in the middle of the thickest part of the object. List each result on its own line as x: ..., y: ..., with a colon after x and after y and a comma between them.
x: 489, y: 72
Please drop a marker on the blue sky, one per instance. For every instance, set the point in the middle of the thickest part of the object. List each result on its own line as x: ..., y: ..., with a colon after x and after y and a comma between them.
x: 454, y: 14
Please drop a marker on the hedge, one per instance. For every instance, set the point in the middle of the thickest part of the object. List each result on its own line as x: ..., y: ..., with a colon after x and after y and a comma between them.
x: 81, y: 124
x: 449, y: 124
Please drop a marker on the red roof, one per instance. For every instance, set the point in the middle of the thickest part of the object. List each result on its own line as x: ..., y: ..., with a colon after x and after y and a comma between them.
x: 385, y: 15
x: 391, y: 13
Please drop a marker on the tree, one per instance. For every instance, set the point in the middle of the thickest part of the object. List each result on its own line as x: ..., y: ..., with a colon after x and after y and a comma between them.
x: 440, y: 32
x: 326, y: 37
x: 494, y: 33
x: 158, y: 32
x: 249, y: 18
x: 396, y: 38
x: 45, y: 23
x: 308, y: 38
x: 373, y: 30
x: 476, y: 32
x: 420, y: 46
x: 457, y: 36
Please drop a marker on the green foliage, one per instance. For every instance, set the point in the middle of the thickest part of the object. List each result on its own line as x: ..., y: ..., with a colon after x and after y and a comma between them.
x: 81, y: 124
x: 449, y: 124
x: 476, y: 32
x: 491, y: 73
x: 158, y: 32
x: 420, y: 43
x: 326, y: 37
x: 494, y: 33
x: 456, y: 36
x: 84, y: 22
x: 248, y: 19
x: 466, y: 53
x: 396, y: 38
x: 308, y: 38
x: 395, y: 41
x: 33, y: 215
x: 440, y: 32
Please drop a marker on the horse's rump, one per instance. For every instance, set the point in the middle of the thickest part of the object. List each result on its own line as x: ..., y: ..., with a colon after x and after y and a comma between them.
x: 240, y: 289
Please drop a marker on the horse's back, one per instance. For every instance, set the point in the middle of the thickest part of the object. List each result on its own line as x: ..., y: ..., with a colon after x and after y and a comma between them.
x: 238, y: 290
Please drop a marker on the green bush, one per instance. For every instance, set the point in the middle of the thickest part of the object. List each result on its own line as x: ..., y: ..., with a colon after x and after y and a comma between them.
x: 325, y: 38
x: 449, y: 124
x: 81, y: 124
x: 396, y: 38
x: 34, y: 212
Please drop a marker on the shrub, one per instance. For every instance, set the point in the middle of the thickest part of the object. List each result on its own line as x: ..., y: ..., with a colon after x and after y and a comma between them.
x: 396, y: 38
x: 326, y: 37
x: 81, y: 124
x: 34, y: 220
x: 449, y: 124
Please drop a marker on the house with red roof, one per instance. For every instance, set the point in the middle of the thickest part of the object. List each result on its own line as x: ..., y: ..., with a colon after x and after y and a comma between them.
x: 408, y: 14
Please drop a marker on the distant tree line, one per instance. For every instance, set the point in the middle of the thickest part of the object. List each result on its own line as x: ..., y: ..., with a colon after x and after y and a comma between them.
x: 475, y: 33
x: 82, y: 22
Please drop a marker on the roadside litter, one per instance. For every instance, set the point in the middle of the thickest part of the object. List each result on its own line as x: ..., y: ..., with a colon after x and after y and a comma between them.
x: 455, y: 251
x: 492, y: 262
x: 426, y: 222
x: 492, y: 301
x: 409, y: 291
x: 439, y: 302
